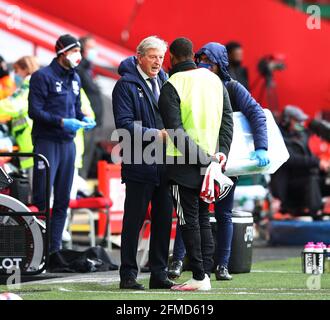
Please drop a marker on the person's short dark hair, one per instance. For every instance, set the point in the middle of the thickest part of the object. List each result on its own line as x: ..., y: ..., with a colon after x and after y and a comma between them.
x: 83, y: 41
x: 182, y: 48
x: 232, y: 45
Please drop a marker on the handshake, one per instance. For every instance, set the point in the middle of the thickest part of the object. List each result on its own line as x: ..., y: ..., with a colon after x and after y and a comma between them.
x: 72, y: 125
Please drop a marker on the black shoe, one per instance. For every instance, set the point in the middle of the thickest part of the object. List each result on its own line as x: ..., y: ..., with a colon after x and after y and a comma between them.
x: 146, y: 268
x: 130, y: 284
x: 155, y: 283
x: 221, y: 273
x: 175, y: 269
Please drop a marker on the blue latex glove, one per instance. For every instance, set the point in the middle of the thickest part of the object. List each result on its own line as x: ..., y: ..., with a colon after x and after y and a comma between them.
x: 72, y: 125
x: 262, y: 156
x: 90, y: 123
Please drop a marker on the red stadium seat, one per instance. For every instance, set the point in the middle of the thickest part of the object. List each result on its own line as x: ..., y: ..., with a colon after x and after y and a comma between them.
x: 94, y: 203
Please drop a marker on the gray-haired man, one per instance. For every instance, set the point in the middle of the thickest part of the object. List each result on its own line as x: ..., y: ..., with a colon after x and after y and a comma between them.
x: 135, y: 99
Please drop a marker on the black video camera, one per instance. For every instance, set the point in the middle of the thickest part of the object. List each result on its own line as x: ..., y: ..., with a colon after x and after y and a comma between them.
x: 268, y: 64
x: 321, y: 128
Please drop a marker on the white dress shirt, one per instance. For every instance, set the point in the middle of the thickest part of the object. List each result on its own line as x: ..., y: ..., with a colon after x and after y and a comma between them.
x: 146, y: 77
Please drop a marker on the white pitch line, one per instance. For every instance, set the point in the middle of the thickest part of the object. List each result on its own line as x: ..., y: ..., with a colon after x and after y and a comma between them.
x: 177, y: 292
x: 84, y: 280
x: 76, y: 279
x: 106, y: 280
x: 274, y: 271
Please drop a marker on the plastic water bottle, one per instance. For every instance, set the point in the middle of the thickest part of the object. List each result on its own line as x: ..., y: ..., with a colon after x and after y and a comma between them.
x: 324, y: 247
x: 327, y: 260
x: 308, y: 258
x: 318, y: 258
x: 321, y: 244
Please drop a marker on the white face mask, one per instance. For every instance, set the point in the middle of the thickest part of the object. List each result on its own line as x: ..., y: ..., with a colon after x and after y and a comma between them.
x: 74, y: 59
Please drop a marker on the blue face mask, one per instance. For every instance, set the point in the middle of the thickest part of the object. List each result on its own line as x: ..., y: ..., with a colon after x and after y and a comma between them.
x: 299, y: 127
x: 91, y: 55
x: 205, y: 65
x: 18, y: 80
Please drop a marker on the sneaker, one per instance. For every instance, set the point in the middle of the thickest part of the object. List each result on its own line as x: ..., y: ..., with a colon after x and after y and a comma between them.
x: 221, y: 273
x: 194, y: 285
x: 175, y: 269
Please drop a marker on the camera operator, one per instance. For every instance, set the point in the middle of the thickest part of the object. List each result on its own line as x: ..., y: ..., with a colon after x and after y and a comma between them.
x: 298, y: 182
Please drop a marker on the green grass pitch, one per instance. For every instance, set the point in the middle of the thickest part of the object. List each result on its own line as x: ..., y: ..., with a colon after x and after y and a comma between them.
x: 269, y: 280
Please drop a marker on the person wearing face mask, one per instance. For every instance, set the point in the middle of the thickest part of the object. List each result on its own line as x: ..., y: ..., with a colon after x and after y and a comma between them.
x: 213, y: 56
x: 297, y: 184
x: 16, y: 106
x: 55, y: 108
x: 235, y: 68
x: 7, y: 85
x: 85, y: 70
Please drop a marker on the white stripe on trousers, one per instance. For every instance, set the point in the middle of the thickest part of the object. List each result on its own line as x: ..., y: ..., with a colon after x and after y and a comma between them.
x: 179, y: 209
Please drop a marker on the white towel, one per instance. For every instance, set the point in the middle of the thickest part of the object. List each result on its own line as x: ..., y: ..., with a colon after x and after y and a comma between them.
x: 215, y: 185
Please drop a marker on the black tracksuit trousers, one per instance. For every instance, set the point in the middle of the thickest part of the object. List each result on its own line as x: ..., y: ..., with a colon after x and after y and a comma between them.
x: 194, y: 220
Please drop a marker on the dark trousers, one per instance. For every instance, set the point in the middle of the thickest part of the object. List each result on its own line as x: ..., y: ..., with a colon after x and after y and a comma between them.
x: 223, y: 211
x: 138, y: 196
x: 179, y: 250
x: 61, y: 158
x: 195, y: 227
x: 223, y: 215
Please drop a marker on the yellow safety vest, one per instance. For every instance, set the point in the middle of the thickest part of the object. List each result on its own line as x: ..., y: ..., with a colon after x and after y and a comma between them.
x: 201, y: 104
x: 79, y: 139
x: 16, y: 106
